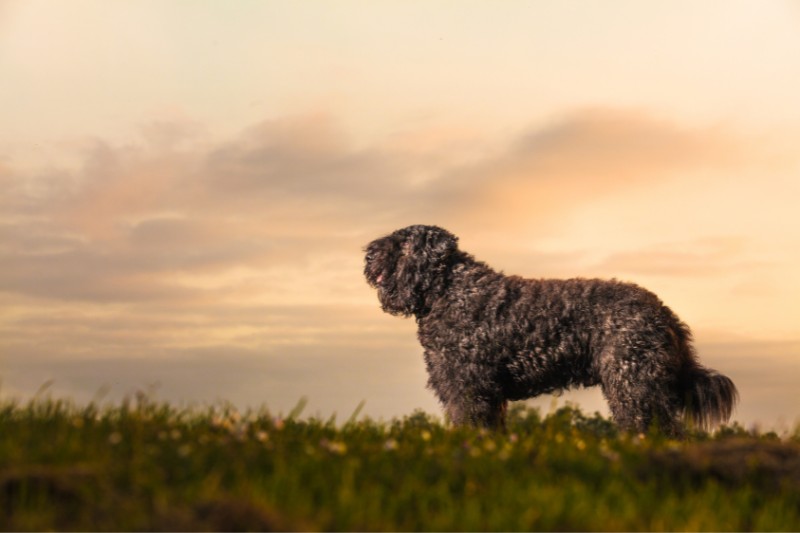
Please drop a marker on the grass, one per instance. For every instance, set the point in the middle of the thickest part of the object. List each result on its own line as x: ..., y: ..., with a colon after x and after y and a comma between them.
x: 151, y: 466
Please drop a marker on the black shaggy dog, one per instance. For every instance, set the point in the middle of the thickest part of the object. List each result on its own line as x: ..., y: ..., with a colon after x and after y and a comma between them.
x: 490, y: 338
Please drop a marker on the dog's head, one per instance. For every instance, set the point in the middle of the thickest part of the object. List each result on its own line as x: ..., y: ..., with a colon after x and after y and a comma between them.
x: 410, y: 267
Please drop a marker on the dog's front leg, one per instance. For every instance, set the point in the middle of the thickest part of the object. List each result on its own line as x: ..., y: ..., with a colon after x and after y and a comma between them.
x: 467, y: 396
x: 476, y: 410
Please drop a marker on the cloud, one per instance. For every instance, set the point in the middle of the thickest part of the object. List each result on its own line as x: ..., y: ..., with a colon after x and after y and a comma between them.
x: 82, y: 275
x: 283, y: 209
x: 614, y: 146
x: 295, y: 197
x: 130, y: 222
x: 306, y: 156
x: 699, y: 257
x: 173, y: 133
x: 583, y: 158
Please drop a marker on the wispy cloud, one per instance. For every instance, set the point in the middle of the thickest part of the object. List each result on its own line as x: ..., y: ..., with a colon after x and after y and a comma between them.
x: 293, y: 197
x: 696, y: 258
x: 585, y: 157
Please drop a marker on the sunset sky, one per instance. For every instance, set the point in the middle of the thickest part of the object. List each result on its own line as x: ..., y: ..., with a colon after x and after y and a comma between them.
x: 186, y: 187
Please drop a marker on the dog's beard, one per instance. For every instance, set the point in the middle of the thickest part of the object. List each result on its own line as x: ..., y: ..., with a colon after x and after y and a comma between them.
x: 375, y: 276
x: 377, y: 269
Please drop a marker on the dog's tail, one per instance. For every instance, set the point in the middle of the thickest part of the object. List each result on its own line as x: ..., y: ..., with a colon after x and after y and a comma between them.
x: 708, y: 397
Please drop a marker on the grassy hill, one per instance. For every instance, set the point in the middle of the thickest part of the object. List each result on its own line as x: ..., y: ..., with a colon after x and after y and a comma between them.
x: 151, y: 466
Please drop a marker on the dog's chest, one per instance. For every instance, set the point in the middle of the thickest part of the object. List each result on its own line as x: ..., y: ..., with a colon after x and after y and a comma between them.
x: 471, y: 324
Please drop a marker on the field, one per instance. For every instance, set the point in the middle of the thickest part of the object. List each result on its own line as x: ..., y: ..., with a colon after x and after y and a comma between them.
x: 144, y: 465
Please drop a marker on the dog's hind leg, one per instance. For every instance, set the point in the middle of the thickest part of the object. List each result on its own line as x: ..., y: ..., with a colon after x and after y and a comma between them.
x: 640, y: 391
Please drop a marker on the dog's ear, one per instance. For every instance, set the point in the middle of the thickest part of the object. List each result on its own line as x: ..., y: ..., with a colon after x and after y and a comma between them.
x: 430, y: 244
x: 421, y: 276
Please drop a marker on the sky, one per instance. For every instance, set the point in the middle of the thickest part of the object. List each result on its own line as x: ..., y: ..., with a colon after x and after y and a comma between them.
x: 186, y: 188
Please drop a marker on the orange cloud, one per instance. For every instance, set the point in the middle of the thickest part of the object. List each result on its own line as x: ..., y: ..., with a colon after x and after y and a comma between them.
x: 134, y: 219
x: 702, y: 257
x: 584, y: 157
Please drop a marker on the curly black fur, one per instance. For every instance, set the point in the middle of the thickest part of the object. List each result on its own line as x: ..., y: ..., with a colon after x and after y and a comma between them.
x: 490, y: 338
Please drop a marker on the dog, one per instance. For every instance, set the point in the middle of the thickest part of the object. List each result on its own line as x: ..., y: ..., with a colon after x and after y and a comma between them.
x: 489, y: 338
